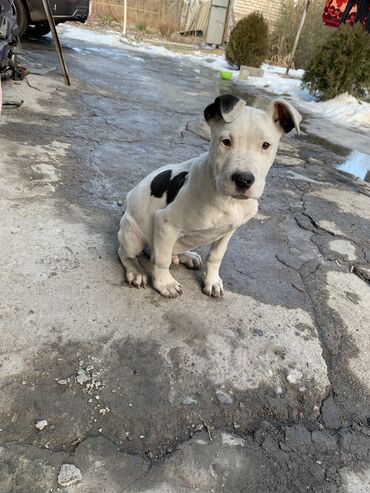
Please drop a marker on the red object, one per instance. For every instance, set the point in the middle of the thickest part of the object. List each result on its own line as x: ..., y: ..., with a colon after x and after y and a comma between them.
x: 333, y: 12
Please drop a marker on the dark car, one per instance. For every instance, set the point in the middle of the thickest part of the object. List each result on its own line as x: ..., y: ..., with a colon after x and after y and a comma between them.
x: 31, y: 17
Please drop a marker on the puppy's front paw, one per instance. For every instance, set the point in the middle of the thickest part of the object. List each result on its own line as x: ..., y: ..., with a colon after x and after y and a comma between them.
x: 213, y: 286
x: 167, y: 286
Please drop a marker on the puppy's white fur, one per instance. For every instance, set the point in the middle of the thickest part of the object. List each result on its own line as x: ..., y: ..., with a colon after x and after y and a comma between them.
x: 209, y: 206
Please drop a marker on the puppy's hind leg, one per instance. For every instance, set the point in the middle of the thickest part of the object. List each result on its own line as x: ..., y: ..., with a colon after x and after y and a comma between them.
x: 130, y: 246
x: 191, y: 260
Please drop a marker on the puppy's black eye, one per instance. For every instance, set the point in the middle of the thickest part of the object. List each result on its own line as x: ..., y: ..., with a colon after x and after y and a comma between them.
x: 265, y: 145
x: 226, y: 142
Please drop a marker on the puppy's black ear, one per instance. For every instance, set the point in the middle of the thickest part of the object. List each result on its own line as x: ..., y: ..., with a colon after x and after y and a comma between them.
x: 227, y: 107
x: 285, y: 116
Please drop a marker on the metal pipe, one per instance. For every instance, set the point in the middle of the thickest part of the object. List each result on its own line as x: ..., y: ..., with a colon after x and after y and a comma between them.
x: 124, y: 30
x: 58, y: 47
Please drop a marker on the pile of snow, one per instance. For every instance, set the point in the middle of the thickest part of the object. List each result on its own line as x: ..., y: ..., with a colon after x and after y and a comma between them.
x: 82, y: 34
x: 275, y: 81
x: 344, y: 108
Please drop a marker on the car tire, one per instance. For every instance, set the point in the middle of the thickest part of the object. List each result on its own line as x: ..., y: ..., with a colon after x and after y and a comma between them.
x: 38, y: 30
x: 22, y: 17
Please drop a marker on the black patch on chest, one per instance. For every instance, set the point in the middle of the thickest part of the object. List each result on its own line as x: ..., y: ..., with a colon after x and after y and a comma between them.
x: 162, y: 183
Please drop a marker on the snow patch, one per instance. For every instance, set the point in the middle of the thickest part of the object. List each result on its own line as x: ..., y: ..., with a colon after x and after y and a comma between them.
x: 275, y: 81
x: 343, y: 108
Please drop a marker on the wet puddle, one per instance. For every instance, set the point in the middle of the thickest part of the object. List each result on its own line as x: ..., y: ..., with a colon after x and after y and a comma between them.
x: 357, y: 164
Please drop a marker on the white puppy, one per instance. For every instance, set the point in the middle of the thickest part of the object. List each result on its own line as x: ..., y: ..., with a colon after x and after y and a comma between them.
x: 180, y: 207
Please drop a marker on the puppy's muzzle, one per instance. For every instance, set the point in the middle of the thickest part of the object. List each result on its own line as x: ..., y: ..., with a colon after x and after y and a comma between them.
x: 243, y: 180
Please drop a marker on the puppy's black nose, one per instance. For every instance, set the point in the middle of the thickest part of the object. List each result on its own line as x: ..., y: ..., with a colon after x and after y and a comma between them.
x: 243, y: 181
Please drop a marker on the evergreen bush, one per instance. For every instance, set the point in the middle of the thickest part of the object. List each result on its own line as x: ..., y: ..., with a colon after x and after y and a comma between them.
x: 341, y: 64
x: 248, y: 44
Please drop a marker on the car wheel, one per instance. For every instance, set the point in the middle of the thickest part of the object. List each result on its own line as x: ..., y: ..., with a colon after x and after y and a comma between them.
x: 22, y: 17
x: 38, y: 30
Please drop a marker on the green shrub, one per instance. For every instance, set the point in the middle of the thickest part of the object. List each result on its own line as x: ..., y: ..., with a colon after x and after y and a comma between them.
x: 248, y: 44
x: 341, y: 64
x: 313, y: 33
x: 142, y: 26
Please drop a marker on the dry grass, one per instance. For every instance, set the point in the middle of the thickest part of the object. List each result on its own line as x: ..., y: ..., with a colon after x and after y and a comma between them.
x: 140, y: 24
x: 313, y: 34
x: 167, y: 28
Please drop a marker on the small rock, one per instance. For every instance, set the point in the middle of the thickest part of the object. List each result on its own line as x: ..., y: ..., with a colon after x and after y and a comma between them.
x: 188, y: 401
x: 224, y: 398
x: 330, y: 414
x: 104, y: 411
x: 82, y: 376
x: 62, y: 381
x: 41, y: 424
x: 294, y: 376
x: 297, y: 436
x: 278, y: 390
x: 69, y: 474
x: 119, y: 202
x: 324, y: 441
x: 236, y: 425
x: 313, y: 160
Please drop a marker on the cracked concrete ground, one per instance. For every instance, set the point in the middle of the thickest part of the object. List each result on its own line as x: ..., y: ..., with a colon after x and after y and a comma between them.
x: 264, y: 390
